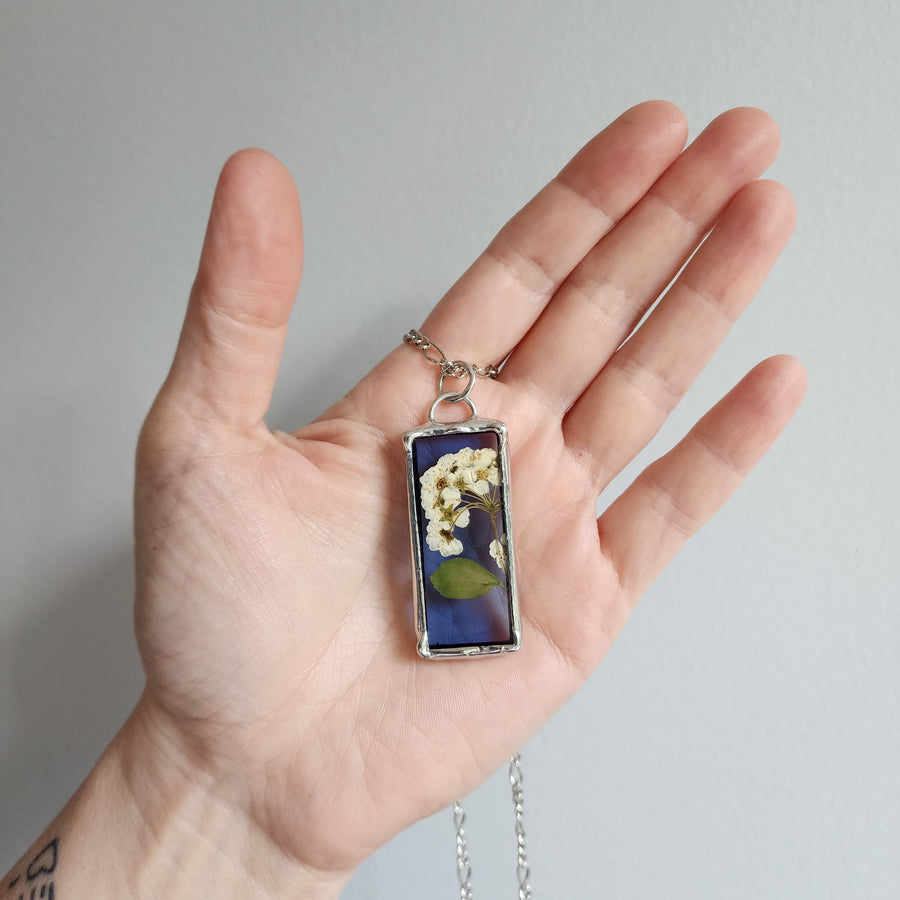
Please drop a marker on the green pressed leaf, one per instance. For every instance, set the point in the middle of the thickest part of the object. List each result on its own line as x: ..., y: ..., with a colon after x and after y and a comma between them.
x: 462, y: 579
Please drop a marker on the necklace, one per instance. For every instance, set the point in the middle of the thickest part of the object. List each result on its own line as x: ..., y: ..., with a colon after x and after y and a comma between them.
x: 462, y: 551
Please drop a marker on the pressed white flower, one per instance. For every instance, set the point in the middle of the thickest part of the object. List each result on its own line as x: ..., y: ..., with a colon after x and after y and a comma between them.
x: 498, y: 552
x: 444, y: 466
x: 431, y: 505
x: 474, y: 481
x: 461, y: 518
x: 480, y: 459
x: 438, y: 475
x: 444, y: 542
x: 443, y: 516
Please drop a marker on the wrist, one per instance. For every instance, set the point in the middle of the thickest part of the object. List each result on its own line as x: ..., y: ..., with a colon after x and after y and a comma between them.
x: 149, y: 822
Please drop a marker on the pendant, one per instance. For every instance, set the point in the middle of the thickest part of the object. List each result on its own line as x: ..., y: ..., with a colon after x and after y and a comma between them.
x: 460, y: 524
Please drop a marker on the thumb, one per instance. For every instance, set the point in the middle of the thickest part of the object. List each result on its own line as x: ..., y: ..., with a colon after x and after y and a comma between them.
x: 234, y: 330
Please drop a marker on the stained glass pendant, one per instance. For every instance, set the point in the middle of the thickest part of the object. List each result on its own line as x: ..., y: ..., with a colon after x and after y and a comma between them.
x: 462, y: 549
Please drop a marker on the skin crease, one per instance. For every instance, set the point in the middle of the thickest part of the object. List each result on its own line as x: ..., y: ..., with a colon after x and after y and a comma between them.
x: 273, y: 576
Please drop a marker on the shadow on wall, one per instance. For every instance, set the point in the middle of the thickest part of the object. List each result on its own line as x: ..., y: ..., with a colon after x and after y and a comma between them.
x: 73, y: 676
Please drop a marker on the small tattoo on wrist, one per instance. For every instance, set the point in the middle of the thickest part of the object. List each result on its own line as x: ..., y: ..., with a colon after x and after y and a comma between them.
x: 38, y: 881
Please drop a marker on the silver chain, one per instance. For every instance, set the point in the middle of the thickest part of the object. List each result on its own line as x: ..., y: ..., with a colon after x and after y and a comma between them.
x: 454, y: 368
x: 464, y: 865
x: 516, y: 778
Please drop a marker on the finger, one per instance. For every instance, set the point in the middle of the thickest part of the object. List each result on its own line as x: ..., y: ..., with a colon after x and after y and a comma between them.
x: 648, y: 524
x: 506, y: 288
x: 606, y: 295
x: 632, y: 396
x: 249, y: 272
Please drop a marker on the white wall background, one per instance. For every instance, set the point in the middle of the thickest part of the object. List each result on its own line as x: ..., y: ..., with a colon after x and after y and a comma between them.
x: 742, y: 740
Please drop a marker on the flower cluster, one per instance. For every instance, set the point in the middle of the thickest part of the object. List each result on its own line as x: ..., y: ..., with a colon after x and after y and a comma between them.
x: 455, y: 484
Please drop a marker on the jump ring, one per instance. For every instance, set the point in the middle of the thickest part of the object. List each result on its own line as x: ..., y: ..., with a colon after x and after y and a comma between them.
x: 452, y: 397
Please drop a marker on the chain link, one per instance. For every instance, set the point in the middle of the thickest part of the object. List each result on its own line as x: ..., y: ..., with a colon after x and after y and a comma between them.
x: 523, y: 873
x: 464, y: 865
x: 454, y: 368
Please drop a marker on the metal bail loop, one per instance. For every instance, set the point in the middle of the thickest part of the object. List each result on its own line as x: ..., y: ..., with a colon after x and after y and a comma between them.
x: 452, y: 397
x: 456, y: 368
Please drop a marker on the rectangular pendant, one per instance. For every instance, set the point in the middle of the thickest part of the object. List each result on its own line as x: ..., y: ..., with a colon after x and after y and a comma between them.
x: 462, y: 549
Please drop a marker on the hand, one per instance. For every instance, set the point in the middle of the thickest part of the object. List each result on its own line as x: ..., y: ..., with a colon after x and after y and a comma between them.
x: 274, y: 605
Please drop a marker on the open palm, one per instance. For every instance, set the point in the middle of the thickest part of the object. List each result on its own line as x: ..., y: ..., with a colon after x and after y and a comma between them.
x: 274, y: 579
